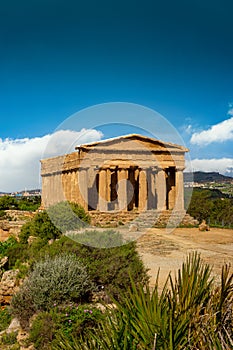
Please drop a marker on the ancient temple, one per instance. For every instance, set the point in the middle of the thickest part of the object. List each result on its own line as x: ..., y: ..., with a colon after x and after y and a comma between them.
x: 126, y: 173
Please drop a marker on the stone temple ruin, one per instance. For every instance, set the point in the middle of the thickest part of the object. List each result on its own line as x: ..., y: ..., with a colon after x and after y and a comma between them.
x: 126, y: 174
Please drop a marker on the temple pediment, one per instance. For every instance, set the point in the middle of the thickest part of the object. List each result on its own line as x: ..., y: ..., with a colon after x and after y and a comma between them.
x: 132, y: 143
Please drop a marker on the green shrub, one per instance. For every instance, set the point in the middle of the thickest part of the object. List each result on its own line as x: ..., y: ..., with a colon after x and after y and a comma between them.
x: 98, y: 239
x: 29, y: 203
x: 40, y: 226
x: 10, y: 339
x: 6, y: 245
x: 52, y: 281
x: 2, y: 214
x: 5, y: 319
x: 67, y: 216
x: 43, y: 329
x: 8, y: 202
x: 63, y: 321
x: 58, y: 219
x: 17, y: 252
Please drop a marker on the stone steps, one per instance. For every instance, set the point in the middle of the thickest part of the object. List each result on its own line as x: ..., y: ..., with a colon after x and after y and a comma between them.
x: 112, y: 219
x: 146, y: 219
x: 154, y: 218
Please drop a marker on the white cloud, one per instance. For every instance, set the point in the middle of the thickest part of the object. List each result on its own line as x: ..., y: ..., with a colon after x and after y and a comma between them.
x: 222, y: 165
x: 20, y: 158
x: 216, y: 133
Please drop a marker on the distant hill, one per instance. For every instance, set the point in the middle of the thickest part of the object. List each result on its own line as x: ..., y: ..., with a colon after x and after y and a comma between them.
x: 202, y: 177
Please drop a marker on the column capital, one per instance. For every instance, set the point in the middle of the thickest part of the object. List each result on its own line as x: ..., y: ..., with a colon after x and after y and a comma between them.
x: 179, y: 169
x: 81, y: 168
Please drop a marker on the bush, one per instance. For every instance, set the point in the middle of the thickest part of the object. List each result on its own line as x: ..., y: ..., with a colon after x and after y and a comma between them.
x: 44, y: 329
x: 67, y: 216
x: 63, y: 321
x: 52, y: 281
x: 30, y: 203
x: 5, y: 319
x: 98, y: 239
x: 2, y: 214
x: 10, y: 339
x: 6, y: 245
x: 17, y: 252
x: 8, y: 202
x: 58, y: 219
x: 40, y: 226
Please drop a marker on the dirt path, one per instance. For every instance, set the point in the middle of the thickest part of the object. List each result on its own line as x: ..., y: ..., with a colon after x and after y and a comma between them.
x: 167, y: 251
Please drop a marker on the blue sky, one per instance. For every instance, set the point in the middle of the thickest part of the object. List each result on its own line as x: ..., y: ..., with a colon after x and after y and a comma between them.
x: 58, y: 57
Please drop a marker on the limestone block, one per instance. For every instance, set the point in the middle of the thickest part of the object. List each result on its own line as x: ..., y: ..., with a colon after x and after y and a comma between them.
x: 8, y: 286
x: 14, y: 326
x: 3, y: 261
x: 203, y: 226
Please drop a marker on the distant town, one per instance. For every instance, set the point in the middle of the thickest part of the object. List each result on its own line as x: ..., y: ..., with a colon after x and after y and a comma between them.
x: 24, y: 193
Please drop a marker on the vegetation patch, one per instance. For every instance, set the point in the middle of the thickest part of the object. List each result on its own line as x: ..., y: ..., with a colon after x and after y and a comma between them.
x: 67, y: 320
x: 212, y: 206
x: 5, y: 319
x: 52, y: 281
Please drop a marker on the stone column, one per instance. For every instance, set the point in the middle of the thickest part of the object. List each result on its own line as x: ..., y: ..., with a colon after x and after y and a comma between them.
x: 55, y: 189
x: 179, y: 201
x: 68, y: 186
x: 45, y: 190
x: 59, y: 194
x: 143, y: 190
x: 103, y: 190
x: 122, y: 189
x: 161, y: 189
x: 73, y: 186
x: 153, y: 199
x: 64, y: 184
x: 83, y: 188
x: 51, y: 189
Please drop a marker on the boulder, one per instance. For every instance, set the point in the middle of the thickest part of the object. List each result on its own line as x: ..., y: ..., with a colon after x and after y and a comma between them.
x: 203, y: 226
x: 8, y: 286
x: 14, y: 326
x: 133, y: 227
x: 3, y: 261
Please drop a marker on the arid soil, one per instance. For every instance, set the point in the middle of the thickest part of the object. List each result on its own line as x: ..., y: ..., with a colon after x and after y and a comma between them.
x: 167, y: 251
